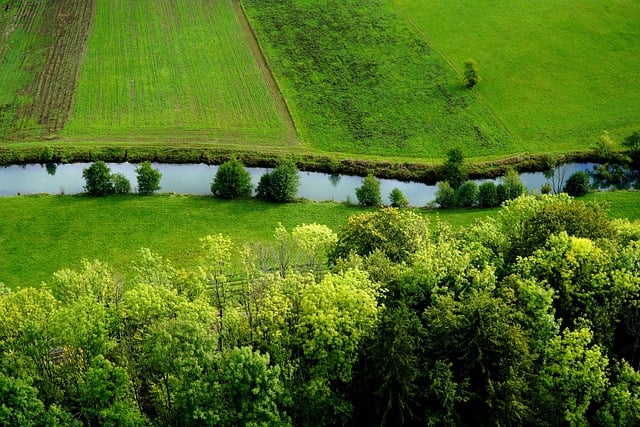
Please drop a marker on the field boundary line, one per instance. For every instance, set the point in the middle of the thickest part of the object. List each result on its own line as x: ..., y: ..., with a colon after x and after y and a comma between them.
x: 415, y: 26
x: 265, y: 70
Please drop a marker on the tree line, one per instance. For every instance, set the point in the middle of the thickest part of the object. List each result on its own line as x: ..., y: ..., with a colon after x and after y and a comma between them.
x: 528, y: 317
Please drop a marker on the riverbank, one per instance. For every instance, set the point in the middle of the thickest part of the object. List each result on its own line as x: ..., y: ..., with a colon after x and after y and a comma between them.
x: 427, y: 171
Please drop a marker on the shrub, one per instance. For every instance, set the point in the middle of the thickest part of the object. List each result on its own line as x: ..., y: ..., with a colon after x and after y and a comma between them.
x: 121, y: 184
x: 398, y: 199
x: 467, y: 194
x: 488, y: 195
x: 445, y: 195
x: 98, y: 179
x: 502, y: 192
x: 546, y: 188
x: 454, y: 171
x: 471, y: 76
x: 148, y: 178
x: 280, y: 185
x: 369, y: 193
x: 577, y: 185
x: 231, y: 181
x: 513, y: 185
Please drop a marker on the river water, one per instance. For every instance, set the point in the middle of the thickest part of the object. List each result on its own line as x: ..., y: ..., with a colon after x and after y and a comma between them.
x: 197, y: 178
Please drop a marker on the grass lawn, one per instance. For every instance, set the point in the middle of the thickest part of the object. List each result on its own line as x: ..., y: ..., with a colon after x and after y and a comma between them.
x: 167, y: 70
x: 42, y: 234
x: 557, y: 73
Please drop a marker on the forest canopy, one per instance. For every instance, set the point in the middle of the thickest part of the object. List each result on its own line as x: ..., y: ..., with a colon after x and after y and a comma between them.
x: 527, y: 317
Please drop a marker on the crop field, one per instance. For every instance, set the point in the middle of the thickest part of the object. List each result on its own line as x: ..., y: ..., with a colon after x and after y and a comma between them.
x: 557, y: 73
x: 360, y: 79
x: 41, y: 43
x: 172, y: 70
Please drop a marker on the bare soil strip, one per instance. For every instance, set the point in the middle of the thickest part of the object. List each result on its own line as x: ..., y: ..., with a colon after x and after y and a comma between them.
x: 68, y: 23
x: 265, y: 71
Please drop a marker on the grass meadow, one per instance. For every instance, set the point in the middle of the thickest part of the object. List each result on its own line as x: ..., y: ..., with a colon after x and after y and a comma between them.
x: 172, y: 70
x: 360, y: 80
x: 556, y: 73
x: 42, y: 234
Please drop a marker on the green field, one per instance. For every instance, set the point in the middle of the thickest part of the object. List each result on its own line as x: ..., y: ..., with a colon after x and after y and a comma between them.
x: 360, y: 80
x: 42, y: 234
x: 172, y: 70
x: 557, y: 73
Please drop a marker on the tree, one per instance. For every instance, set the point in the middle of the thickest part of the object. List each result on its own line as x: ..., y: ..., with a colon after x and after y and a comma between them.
x: 471, y: 76
x: 98, y: 179
x: 121, y: 184
x: 577, y: 185
x: 398, y: 199
x: 369, y: 193
x: 467, y: 194
x: 445, y: 195
x: 488, y: 195
x: 148, y: 178
x: 281, y: 184
x: 605, y: 147
x: 632, y: 142
x: 513, y: 184
x: 232, y: 180
x: 454, y: 170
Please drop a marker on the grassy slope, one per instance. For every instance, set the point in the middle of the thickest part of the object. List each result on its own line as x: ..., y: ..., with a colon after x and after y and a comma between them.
x: 359, y: 80
x: 42, y: 234
x: 557, y: 73
x: 172, y: 70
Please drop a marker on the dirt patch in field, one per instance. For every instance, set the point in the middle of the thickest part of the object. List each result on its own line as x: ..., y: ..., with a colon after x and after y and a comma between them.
x: 265, y: 70
x: 68, y: 24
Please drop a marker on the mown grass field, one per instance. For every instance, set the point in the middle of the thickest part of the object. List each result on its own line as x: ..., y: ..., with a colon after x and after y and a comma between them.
x: 359, y: 79
x: 171, y: 70
x: 42, y: 234
x: 557, y: 73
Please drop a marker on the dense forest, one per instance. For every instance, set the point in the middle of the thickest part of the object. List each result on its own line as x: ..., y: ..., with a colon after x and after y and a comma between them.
x: 530, y: 317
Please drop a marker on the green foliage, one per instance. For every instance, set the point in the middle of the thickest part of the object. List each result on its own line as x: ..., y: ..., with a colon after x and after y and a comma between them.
x: 232, y: 180
x: 605, y: 147
x: 632, y: 143
x: 148, y: 178
x: 445, y: 195
x: 281, y: 184
x: 488, y: 195
x: 398, y: 199
x: 471, y: 75
x: 578, y: 184
x: 467, y: 195
x: 121, y: 184
x: 455, y: 172
x: 396, y: 233
x: 368, y: 193
x: 513, y: 185
x: 98, y: 179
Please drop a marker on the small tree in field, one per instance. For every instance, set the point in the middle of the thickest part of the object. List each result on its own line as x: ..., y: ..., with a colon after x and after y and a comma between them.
x: 471, y: 76
x: 467, y: 194
x: 148, y: 178
x: 398, y: 199
x: 578, y: 184
x: 121, y: 184
x: 632, y: 142
x: 488, y: 195
x: 98, y: 179
x: 231, y: 181
x: 280, y: 185
x: 445, y: 195
x: 369, y: 193
x: 454, y: 170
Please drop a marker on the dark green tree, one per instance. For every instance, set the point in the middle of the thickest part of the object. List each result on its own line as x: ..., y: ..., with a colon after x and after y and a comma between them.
x: 98, y: 179
x: 398, y: 199
x: 454, y: 170
x: 632, y: 143
x: 148, y: 178
x: 488, y: 195
x: 445, y: 195
x: 577, y: 185
x: 121, y: 184
x: 369, y: 193
x: 281, y: 184
x: 467, y: 194
x: 232, y: 180
x: 471, y: 76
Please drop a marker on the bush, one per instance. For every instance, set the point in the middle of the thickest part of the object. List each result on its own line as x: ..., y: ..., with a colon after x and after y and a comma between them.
x: 148, y: 178
x: 280, y: 185
x: 515, y: 188
x: 98, y: 179
x: 502, y: 192
x: 398, y: 199
x: 231, y: 181
x: 369, y: 193
x: 121, y: 184
x: 577, y: 185
x: 445, y: 195
x: 454, y: 170
x: 467, y: 194
x: 488, y: 195
x: 471, y: 76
